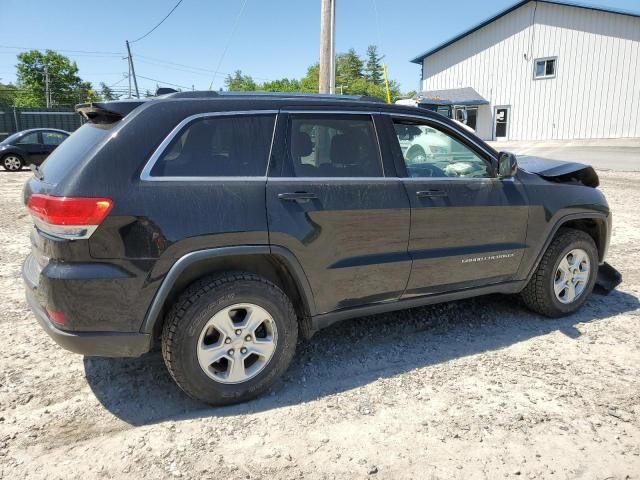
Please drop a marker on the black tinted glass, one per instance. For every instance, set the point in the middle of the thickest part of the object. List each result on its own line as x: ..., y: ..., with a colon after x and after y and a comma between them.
x: 333, y: 146
x: 30, y: 139
x: 53, y: 138
x: 219, y: 147
x: 74, y: 149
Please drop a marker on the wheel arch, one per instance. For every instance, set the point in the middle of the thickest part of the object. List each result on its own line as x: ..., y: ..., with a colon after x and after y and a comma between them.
x: 597, y: 225
x: 276, y: 264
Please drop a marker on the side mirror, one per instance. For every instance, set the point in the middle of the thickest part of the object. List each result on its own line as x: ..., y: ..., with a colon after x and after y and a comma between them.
x: 507, y: 165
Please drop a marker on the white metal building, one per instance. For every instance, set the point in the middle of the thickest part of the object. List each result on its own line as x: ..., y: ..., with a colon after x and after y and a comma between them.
x: 541, y: 70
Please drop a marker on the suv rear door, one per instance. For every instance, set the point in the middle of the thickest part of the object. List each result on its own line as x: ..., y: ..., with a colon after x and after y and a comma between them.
x: 468, y: 227
x: 343, y: 213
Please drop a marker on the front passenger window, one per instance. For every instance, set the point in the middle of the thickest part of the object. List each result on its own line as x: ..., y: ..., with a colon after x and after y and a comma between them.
x: 430, y: 152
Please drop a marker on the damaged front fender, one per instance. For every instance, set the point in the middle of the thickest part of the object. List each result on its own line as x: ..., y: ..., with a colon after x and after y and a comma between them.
x: 559, y: 171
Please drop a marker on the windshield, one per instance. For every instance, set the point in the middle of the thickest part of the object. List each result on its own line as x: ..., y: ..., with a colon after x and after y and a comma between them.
x: 75, y: 148
x: 12, y: 138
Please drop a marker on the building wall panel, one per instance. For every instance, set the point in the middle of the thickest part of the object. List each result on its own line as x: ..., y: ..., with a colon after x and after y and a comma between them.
x: 595, y: 93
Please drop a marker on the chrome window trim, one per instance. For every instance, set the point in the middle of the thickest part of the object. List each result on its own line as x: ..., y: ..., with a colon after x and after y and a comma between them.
x: 388, y: 179
x: 368, y: 113
x: 334, y: 179
x: 146, y: 176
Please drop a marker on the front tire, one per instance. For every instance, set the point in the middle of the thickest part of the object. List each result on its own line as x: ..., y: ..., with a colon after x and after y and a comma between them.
x: 565, y: 276
x: 227, y: 339
x: 12, y: 163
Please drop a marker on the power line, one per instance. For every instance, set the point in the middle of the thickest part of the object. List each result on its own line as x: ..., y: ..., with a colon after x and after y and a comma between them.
x: 157, y: 61
x: 121, y: 80
x: 161, y: 22
x: 94, y: 52
x: 165, y: 83
x: 224, y: 52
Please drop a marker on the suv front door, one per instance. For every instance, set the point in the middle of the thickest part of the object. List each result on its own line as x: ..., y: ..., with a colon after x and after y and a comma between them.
x: 338, y: 209
x: 468, y: 227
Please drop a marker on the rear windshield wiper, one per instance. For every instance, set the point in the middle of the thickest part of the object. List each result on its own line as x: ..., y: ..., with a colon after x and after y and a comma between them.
x: 36, y: 171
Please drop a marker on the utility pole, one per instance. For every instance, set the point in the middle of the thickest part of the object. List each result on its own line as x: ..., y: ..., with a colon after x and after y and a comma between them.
x: 129, y: 76
x: 328, y: 47
x: 47, y: 93
x: 132, y: 71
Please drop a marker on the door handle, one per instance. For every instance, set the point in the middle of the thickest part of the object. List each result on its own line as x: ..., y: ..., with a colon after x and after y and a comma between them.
x: 297, y: 196
x: 431, y: 193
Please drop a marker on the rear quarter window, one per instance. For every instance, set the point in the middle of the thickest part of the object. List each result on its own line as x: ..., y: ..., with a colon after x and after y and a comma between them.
x: 73, y: 150
x: 218, y: 146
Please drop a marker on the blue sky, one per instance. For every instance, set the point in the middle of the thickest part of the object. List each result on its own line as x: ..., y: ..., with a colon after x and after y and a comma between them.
x: 273, y: 38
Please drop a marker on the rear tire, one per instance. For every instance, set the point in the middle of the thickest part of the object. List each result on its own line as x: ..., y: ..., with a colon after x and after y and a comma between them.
x: 211, y: 347
x: 565, y: 276
x: 12, y: 162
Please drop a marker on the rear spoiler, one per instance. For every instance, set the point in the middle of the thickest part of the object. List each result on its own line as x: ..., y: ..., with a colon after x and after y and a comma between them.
x: 108, y: 112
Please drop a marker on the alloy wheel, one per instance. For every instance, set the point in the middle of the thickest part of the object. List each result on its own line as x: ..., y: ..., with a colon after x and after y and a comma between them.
x: 572, y: 276
x: 237, y: 343
x: 12, y: 163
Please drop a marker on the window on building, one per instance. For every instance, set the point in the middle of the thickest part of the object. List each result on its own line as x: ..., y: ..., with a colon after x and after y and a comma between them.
x: 545, y: 68
x: 237, y: 145
x: 472, y: 117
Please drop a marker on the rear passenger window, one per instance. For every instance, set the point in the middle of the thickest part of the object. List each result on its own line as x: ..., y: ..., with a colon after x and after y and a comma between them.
x: 333, y: 146
x: 30, y: 139
x: 233, y: 146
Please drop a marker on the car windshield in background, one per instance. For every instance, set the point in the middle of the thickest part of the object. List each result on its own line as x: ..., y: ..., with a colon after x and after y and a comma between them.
x: 12, y: 138
x: 73, y: 150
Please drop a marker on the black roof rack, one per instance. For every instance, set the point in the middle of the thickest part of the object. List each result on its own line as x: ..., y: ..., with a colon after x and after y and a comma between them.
x: 214, y: 94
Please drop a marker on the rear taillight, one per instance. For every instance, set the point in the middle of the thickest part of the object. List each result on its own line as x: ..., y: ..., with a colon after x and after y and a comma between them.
x: 68, y: 217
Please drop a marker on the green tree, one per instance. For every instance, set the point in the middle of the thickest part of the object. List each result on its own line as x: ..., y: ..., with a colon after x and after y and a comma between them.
x: 373, y: 70
x: 8, y: 94
x: 106, y: 93
x: 240, y: 83
x: 348, y: 67
x: 282, y: 85
x: 86, y: 93
x: 352, y: 74
x: 66, y: 87
x: 310, y: 83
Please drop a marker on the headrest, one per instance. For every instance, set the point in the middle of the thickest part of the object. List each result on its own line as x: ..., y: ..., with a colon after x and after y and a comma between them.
x: 344, y: 149
x: 301, y: 145
x: 199, y: 139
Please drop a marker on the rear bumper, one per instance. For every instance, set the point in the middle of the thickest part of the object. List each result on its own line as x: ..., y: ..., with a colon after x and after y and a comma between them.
x: 99, y: 344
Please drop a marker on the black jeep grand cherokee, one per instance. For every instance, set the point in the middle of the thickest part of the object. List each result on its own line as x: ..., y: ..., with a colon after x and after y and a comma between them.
x: 228, y: 224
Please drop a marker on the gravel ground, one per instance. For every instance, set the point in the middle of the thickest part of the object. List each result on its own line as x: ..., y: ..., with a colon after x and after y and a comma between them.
x: 472, y: 389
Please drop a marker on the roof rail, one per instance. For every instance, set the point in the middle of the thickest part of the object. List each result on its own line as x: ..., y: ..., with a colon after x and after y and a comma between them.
x: 214, y: 94
x: 192, y: 94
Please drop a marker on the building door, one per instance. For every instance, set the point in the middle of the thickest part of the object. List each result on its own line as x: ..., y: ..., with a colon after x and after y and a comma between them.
x: 502, y: 118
